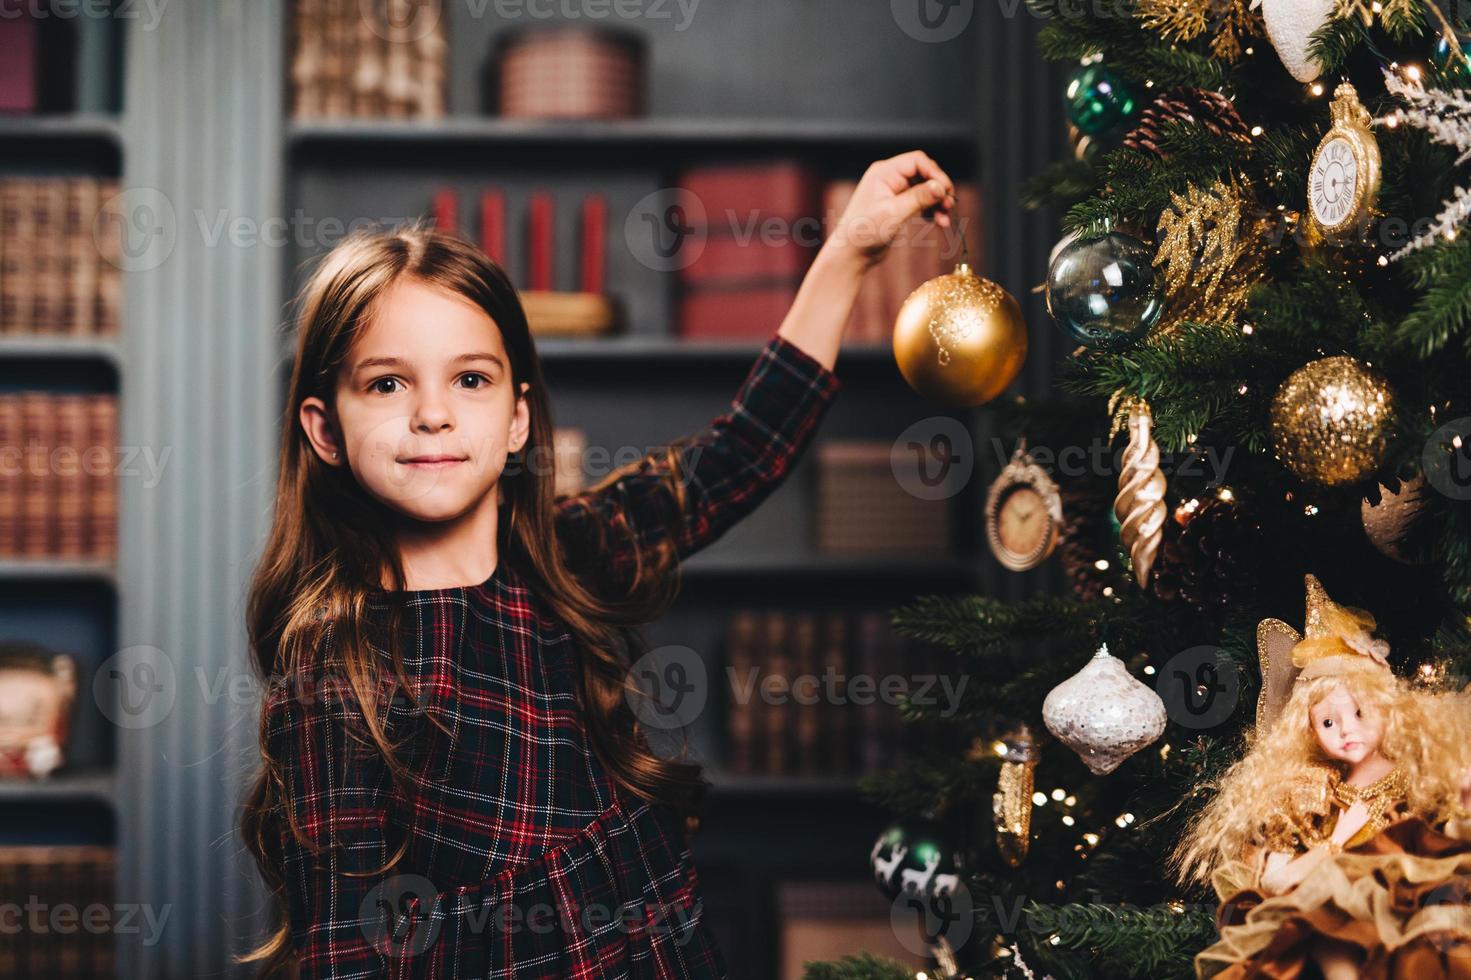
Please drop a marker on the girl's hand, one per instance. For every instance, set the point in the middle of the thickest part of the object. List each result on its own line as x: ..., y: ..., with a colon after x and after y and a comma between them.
x: 890, y: 193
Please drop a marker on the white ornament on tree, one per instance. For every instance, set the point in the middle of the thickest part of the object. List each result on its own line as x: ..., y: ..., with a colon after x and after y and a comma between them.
x: 1103, y: 713
x: 1290, y: 25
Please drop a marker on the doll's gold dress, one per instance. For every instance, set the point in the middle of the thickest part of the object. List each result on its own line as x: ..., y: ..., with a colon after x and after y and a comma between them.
x: 1397, y: 895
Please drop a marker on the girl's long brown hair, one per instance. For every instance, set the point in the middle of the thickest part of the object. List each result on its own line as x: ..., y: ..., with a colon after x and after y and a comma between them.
x: 330, y: 546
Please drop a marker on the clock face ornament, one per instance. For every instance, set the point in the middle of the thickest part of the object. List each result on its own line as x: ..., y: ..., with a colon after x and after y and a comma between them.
x: 1023, y: 513
x: 1343, y: 180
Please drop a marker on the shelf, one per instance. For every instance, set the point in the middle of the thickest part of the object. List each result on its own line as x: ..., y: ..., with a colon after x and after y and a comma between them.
x: 41, y: 346
x: 733, y: 784
x: 67, y: 785
x: 78, y: 128
x: 856, y: 566
x: 673, y: 350
x: 12, y: 568
x: 646, y: 132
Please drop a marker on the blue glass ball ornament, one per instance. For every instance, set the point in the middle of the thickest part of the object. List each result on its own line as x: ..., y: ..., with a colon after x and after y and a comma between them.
x: 1098, y: 100
x: 1103, y: 292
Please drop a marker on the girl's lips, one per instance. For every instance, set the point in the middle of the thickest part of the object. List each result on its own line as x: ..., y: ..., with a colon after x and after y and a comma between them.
x: 432, y: 464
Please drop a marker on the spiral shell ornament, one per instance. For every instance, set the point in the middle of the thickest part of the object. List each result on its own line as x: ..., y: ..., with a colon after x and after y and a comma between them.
x: 1140, y: 504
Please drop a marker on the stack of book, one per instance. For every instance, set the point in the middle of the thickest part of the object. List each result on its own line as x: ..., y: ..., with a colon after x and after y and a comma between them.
x: 863, y: 510
x: 58, y: 494
x: 60, y: 256
x: 921, y: 251
x: 376, y: 59
x: 71, y: 886
x: 748, y: 235
x: 816, y: 693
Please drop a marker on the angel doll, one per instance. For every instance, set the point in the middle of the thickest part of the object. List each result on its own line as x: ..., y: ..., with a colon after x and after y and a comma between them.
x: 1340, y: 845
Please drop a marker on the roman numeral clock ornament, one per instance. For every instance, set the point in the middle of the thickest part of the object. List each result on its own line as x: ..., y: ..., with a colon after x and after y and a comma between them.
x: 1343, y: 179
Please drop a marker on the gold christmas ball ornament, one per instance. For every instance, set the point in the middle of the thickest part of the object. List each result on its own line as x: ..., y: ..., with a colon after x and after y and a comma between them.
x: 1331, y: 421
x: 959, y: 339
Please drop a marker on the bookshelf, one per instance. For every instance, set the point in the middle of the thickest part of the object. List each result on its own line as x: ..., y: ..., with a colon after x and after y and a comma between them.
x: 67, y: 604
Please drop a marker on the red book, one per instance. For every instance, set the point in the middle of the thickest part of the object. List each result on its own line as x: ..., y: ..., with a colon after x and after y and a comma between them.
x: 446, y: 209
x: 540, y: 275
x: 19, y: 40
x: 493, y: 226
x: 594, y: 232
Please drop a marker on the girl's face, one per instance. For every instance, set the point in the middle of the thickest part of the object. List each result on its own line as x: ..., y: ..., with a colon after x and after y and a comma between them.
x: 1346, y: 732
x: 425, y: 413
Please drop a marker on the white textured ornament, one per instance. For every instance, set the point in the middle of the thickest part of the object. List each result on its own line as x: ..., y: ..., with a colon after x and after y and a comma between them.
x: 1104, y: 713
x: 1290, y: 24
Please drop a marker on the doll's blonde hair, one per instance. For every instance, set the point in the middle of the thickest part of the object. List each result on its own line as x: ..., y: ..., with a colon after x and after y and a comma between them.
x: 1285, y: 775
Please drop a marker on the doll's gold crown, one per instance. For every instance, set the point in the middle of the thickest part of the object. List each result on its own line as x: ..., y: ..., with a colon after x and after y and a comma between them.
x: 1336, y: 637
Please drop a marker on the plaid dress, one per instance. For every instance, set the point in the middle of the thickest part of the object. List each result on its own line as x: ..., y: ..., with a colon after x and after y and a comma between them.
x: 524, y: 858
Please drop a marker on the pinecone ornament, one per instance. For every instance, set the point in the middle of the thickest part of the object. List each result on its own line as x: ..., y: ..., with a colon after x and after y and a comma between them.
x: 1088, y: 535
x: 1212, y: 110
x: 1206, y: 563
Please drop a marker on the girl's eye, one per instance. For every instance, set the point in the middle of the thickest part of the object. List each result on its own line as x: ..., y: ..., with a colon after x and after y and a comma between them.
x: 485, y: 381
x: 374, y: 386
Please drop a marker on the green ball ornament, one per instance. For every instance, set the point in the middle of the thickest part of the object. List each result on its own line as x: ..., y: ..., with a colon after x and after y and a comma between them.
x: 1098, y: 100
x: 914, y: 856
x: 1448, y: 67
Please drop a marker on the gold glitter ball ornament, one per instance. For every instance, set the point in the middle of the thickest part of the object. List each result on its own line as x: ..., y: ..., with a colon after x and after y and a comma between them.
x: 1331, y: 421
x: 959, y: 340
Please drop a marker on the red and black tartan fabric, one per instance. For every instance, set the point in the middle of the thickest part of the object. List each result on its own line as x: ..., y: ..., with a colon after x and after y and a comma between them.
x: 524, y: 859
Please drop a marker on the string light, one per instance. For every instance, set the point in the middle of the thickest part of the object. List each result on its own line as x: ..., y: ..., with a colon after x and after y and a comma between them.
x: 1317, y: 88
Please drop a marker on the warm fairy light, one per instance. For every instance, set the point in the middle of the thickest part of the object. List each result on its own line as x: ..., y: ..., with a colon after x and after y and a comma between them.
x: 1101, y: 564
x: 1108, y: 591
x: 1068, y: 821
x: 1225, y: 494
x: 1071, y: 801
x: 1059, y: 795
x: 1128, y: 818
x: 1120, y: 823
x: 1039, y: 799
x: 1377, y: 7
x: 1092, y: 839
x: 1413, y: 71
x: 1257, y: 130
x: 1450, y: 234
x: 1317, y: 88
x: 1251, y: 50
x: 1247, y: 329
x: 1383, y: 260
x: 1164, y: 751
x: 1241, y: 390
x: 1311, y: 510
x: 1391, y: 121
x: 1055, y: 940
x: 1149, y: 669
x: 999, y: 747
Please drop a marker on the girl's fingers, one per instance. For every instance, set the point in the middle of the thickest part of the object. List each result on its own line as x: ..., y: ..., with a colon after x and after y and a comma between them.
x: 917, y: 163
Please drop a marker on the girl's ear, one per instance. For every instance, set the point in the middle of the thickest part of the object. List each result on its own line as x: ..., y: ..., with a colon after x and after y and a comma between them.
x: 520, y: 421
x: 321, y: 431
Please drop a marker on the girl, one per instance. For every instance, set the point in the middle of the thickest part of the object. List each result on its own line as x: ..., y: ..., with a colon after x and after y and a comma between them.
x: 454, y: 782
x: 1358, y: 864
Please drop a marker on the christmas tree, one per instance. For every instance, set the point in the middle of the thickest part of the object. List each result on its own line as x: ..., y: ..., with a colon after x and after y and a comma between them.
x: 1264, y: 273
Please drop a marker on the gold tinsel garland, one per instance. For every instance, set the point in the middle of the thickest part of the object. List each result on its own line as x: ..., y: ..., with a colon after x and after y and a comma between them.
x: 1212, y: 251
x: 1228, y: 23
